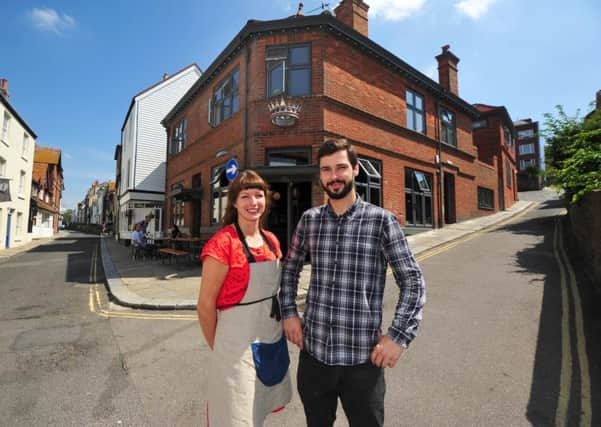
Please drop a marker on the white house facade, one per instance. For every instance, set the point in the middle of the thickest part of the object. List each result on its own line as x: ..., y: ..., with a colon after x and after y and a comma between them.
x: 144, y: 151
x: 17, y: 145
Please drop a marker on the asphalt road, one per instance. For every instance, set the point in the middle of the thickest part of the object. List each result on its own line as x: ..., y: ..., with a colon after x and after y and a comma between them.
x: 494, y: 348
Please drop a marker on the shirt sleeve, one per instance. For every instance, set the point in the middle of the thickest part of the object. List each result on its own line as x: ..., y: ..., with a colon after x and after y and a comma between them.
x: 218, y: 247
x: 291, y: 269
x: 409, y: 279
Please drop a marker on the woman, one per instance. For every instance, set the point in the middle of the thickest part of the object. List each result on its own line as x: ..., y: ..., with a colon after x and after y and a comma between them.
x: 238, y: 312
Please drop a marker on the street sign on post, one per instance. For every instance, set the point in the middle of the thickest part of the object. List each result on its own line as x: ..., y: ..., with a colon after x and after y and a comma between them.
x: 231, y: 170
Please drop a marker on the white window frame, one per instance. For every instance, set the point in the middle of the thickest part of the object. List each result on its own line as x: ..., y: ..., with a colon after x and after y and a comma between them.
x: 25, y: 145
x: 5, y: 127
x: 525, y: 133
x: 22, y: 183
x: 524, y: 163
x: 526, y: 149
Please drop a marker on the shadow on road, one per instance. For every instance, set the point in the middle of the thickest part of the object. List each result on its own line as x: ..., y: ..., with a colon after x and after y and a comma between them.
x: 546, y: 375
x: 79, y: 252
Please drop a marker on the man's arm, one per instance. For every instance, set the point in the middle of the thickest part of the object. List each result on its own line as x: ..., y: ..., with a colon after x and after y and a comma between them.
x: 291, y: 269
x: 412, y: 295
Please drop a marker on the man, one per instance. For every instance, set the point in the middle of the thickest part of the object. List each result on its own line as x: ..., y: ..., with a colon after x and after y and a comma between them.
x: 343, y: 350
x: 138, y: 239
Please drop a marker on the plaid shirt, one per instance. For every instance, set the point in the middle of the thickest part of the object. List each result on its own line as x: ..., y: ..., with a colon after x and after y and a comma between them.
x: 349, y: 256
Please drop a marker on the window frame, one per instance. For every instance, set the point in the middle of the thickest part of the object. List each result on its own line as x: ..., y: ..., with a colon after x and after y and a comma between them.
x: 486, y: 195
x: 219, y: 188
x: 2, y: 166
x: 523, y: 152
x: 216, y: 105
x: 507, y: 136
x: 25, y: 145
x: 5, y: 135
x: 372, y: 168
x: 448, y: 129
x: 271, y: 63
x: 177, y: 208
x: 22, y: 176
x: 178, y: 140
x: 508, y: 177
x: 525, y: 134
x: 526, y: 163
x: 480, y: 124
x: 414, y: 111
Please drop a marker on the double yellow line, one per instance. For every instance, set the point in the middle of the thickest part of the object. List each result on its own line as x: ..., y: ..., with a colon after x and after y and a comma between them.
x: 95, y: 304
x: 565, y: 379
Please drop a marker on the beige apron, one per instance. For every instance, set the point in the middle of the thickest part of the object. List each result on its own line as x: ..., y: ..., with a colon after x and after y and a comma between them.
x: 249, y: 353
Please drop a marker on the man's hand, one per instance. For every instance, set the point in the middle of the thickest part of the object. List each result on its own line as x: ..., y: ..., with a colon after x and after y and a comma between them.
x: 386, y: 353
x: 294, y: 331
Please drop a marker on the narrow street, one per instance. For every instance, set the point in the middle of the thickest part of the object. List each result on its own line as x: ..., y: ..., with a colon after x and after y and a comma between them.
x: 494, y: 348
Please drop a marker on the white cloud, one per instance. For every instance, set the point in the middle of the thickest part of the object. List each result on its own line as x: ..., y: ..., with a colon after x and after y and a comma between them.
x: 394, y: 10
x: 47, y: 19
x: 474, y: 8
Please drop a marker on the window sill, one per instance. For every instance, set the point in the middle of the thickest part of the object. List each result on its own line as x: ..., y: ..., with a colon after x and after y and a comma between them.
x: 21, y: 196
x: 486, y: 208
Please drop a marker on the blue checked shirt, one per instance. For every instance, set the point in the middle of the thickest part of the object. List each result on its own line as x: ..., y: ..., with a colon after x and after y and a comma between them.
x: 349, y: 258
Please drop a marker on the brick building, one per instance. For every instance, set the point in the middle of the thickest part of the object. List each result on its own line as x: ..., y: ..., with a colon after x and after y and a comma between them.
x: 402, y: 124
x: 528, y: 155
x: 46, y: 192
x: 494, y: 135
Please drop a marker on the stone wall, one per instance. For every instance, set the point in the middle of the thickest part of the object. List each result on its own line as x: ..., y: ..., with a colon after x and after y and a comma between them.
x: 585, y: 221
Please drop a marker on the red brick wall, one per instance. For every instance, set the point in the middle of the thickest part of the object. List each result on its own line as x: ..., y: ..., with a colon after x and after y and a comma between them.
x: 353, y: 96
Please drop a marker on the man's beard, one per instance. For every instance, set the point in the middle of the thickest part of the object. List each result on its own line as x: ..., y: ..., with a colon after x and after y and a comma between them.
x: 348, y: 186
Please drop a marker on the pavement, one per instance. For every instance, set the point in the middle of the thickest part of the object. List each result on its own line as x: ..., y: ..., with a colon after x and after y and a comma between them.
x: 151, y: 284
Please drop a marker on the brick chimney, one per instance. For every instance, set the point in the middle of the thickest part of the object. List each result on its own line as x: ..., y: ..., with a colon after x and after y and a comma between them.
x: 354, y: 14
x: 4, y: 88
x: 447, y: 70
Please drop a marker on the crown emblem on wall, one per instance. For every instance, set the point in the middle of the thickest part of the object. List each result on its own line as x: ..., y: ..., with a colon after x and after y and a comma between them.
x: 284, y: 114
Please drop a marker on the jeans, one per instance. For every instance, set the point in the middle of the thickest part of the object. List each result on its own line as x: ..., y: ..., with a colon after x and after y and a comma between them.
x: 360, y: 388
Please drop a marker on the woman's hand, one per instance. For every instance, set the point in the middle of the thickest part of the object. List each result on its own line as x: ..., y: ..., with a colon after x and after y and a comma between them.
x: 213, y: 276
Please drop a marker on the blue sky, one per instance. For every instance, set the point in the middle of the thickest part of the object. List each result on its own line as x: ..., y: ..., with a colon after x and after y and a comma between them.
x: 73, y: 66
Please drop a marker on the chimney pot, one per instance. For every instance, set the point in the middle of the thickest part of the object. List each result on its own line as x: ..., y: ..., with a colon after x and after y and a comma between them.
x: 299, y: 12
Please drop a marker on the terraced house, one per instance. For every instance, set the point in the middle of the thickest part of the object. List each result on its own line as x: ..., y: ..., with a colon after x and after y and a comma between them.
x: 17, y: 142
x: 282, y: 87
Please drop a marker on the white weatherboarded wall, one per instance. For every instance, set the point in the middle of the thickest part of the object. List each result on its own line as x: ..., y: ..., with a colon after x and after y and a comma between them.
x: 151, y: 147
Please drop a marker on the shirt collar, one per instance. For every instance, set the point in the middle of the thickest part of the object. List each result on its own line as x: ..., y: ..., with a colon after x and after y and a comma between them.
x: 349, y: 213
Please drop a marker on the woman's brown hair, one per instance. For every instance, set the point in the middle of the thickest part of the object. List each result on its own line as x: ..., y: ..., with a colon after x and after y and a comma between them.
x: 245, y: 180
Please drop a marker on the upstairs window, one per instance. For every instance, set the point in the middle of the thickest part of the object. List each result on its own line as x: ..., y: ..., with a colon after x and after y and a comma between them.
x: 2, y: 167
x: 25, y: 145
x: 526, y: 149
x: 448, y: 128
x: 525, y: 163
x: 507, y: 136
x: 225, y: 100
x: 526, y: 133
x: 5, y: 127
x: 178, y: 140
x: 480, y: 124
x: 288, y: 70
x: 507, y: 173
x: 415, y: 112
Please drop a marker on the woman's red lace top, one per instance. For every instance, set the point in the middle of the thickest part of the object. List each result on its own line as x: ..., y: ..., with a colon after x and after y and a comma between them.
x: 225, y: 246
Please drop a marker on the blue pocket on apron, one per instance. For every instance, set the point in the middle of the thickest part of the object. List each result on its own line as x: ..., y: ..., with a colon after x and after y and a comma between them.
x: 271, y: 361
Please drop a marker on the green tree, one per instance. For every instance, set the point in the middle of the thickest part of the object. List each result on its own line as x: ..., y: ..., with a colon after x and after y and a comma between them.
x: 573, y: 152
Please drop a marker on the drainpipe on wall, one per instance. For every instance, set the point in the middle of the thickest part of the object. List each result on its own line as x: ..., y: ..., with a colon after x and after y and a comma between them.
x: 439, y: 166
x: 246, y: 104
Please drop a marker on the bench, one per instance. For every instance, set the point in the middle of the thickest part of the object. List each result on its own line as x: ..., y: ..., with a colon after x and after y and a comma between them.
x: 170, y: 253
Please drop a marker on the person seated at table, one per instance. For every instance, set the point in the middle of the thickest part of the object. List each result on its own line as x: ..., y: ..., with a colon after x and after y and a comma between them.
x: 139, y: 240
x: 175, y: 232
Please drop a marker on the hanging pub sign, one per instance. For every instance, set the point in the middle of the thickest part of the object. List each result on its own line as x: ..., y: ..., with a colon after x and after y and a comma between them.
x: 4, y: 190
x: 284, y: 114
